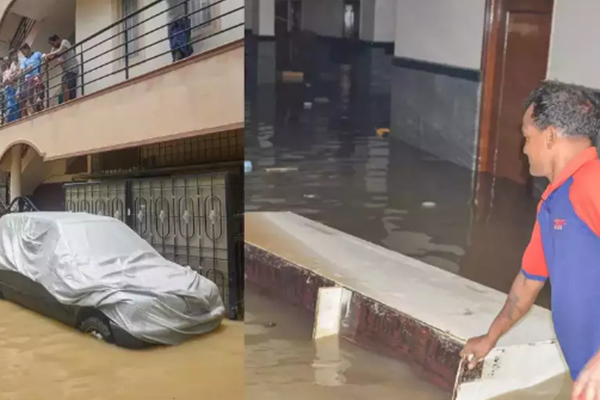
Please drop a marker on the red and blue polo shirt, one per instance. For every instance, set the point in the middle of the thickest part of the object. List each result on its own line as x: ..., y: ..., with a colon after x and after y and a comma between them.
x: 565, y: 247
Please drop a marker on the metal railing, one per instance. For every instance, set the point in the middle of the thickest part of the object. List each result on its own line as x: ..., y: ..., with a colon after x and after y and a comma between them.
x: 28, y: 94
x: 17, y: 205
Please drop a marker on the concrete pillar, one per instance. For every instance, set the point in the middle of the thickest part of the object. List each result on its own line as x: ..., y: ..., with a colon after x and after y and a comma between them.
x: 15, y: 171
x: 263, y: 23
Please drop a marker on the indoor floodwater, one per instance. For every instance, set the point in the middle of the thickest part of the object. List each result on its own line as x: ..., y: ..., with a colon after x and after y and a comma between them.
x: 328, y: 162
x: 282, y: 361
x: 43, y: 359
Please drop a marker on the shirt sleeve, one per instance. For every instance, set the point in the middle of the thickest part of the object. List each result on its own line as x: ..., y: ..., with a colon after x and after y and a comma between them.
x: 534, y: 262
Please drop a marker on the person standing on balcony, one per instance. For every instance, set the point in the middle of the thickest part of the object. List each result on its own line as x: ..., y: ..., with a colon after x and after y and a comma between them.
x: 32, y: 91
x: 10, y: 76
x: 180, y: 30
x: 63, y: 51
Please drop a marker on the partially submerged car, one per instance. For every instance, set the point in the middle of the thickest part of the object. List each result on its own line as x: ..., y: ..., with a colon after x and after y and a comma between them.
x: 97, y: 275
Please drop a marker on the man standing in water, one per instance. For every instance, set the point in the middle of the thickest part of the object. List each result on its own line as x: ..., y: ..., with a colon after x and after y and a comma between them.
x: 560, y: 126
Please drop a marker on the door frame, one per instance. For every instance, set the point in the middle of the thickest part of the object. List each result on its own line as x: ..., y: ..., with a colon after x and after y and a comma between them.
x: 493, y: 32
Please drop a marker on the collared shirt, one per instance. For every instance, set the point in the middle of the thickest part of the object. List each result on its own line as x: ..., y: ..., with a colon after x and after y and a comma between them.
x: 35, y: 61
x: 565, y: 247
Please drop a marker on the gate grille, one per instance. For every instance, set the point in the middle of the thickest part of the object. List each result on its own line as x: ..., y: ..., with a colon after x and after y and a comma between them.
x: 186, y: 218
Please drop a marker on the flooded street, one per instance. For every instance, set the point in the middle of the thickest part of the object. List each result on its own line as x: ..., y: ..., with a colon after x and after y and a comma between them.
x: 282, y: 362
x: 316, y: 151
x: 42, y: 359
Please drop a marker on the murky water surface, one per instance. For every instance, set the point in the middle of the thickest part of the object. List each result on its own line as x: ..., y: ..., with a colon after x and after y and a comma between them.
x: 316, y: 151
x: 41, y: 360
x: 282, y: 362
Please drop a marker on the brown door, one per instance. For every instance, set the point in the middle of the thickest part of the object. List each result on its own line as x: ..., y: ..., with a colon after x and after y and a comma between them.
x: 515, y: 61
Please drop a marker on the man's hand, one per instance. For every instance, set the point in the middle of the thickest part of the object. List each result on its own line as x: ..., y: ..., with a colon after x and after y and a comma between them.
x: 476, y: 349
x: 587, y: 386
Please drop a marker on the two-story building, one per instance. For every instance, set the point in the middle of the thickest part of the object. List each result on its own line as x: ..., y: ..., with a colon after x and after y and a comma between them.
x: 154, y: 136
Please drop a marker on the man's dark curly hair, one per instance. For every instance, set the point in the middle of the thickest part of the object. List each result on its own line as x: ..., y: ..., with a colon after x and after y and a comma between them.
x: 573, y: 110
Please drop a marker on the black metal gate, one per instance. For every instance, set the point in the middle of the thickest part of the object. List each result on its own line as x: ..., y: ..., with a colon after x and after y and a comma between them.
x: 192, y: 220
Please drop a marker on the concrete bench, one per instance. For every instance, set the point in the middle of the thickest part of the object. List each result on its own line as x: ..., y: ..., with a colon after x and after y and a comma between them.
x: 399, y: 306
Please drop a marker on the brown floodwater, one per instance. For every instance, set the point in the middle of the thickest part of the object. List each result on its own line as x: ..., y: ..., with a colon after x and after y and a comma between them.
x: 43, y: 359
x: 282, y: 361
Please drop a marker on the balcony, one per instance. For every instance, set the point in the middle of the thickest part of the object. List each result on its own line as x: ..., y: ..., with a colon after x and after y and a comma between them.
x: 129, y: 89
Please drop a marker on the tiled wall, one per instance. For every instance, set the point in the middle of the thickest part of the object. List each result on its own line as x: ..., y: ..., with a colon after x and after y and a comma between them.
x: 436, y: 112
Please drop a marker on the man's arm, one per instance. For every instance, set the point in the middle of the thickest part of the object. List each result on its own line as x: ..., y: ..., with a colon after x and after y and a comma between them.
x: 55, y: 52
x: 521, y: 297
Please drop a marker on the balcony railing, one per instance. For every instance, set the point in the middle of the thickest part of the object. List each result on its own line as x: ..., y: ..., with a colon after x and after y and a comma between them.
x: 147, y: 39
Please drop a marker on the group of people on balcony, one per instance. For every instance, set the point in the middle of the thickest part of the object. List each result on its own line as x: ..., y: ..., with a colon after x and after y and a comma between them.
x: 23, y: 83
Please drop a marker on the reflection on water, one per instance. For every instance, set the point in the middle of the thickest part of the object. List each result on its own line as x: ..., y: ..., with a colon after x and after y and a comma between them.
x: 343, y: 174
x: 42, y: 359
x: 282, y: 362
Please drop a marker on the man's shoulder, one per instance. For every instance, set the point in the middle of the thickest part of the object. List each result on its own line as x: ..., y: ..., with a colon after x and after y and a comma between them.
x: 590, y: 172
x: 587, y: 179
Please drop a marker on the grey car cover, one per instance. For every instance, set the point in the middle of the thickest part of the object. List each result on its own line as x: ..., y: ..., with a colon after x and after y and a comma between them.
x: 94, y: 261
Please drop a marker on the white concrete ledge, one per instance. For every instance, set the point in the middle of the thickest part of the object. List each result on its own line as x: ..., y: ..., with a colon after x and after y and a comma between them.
x: 450, y: 304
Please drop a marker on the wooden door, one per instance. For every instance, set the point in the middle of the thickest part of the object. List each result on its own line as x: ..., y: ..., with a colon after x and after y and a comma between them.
x: 515, y: 61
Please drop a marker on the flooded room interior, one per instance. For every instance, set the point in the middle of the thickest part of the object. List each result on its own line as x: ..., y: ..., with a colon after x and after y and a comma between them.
x: 398, y: 126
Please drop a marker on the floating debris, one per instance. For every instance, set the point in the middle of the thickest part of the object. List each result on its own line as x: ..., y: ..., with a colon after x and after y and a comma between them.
x: 308, y: 105
x: 281, y: 169
x: 382, y: 132
x: 247, y: 166
x: 428, y: 204
x: 292, y: 76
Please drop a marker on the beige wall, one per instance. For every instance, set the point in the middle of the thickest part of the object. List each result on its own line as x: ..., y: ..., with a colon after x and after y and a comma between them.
x: 441, y: 31
x: 225, y: 25
x: 201, y: 95
x: 94, y: 15
x: 574, y: 57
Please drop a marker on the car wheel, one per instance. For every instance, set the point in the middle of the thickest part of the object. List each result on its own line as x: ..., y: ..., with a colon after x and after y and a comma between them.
x: 97, y: 328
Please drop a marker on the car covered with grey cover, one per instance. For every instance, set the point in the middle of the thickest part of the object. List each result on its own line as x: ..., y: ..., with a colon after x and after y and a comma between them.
x: 97, y: 275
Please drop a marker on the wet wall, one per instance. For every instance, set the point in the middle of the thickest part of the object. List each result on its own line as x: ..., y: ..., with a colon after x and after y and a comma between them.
x: 435, y: 108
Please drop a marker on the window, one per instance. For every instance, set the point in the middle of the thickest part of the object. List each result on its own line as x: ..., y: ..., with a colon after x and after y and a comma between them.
x: 199, y: 19
x: 130, y: 28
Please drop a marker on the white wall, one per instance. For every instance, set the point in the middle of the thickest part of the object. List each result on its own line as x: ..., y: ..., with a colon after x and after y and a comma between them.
x: 384, y: 21
x: 367, y: 20
x: 263, y: 21
x: 323, y: 17
x: 154, y: 52
x: 574, y: 58
x: 441, y: 31
x: 249, y: 13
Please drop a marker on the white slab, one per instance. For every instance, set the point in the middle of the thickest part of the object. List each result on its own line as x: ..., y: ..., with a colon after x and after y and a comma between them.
x: 330, y: 306
x: 517, y: 368
x: 446, y: 302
